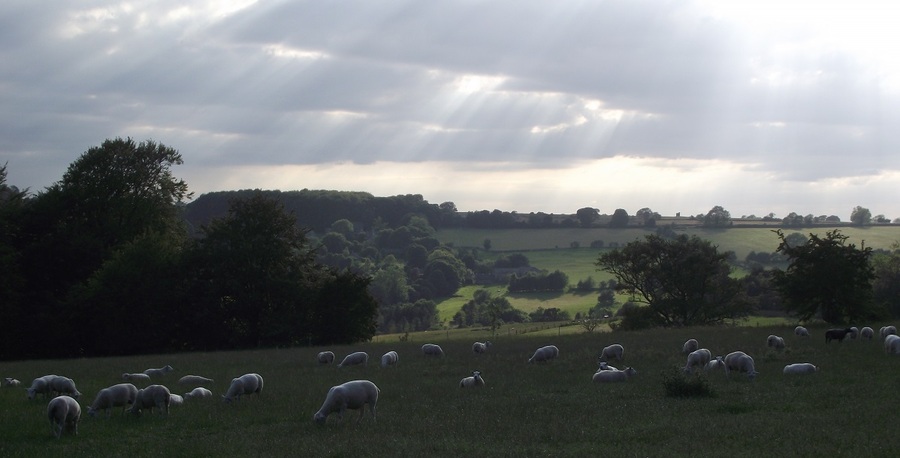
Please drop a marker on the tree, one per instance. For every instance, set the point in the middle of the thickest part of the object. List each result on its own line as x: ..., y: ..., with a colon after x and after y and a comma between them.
x: 683, y: 281
x: 587, y: 216
x: 827, y: 277
x: 886, y: 287
x: 647, y: 217
x: 619, y: 218
x: 860, y: 216
x: 717, y: 217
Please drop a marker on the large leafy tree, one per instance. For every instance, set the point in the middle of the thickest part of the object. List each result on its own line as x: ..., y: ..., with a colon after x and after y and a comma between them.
x: 826, y: 276
x: 717, y: 217
x: 683, y: 281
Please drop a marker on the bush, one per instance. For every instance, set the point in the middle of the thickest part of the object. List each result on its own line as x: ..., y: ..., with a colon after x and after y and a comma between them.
x: 678, y: 385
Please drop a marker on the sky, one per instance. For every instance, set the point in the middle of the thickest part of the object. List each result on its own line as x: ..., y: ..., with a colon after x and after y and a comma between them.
x: 526, y: 106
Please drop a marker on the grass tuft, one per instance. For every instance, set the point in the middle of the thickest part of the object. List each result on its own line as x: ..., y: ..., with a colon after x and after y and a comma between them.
x: 679, y: 385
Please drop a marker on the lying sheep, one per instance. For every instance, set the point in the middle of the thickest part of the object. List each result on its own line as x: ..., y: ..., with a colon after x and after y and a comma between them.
x: 892, y: 344
x: 198, y: 392
x: 800, y: 369
x: 887, y: 330
x: 836, y: 334
x: 194, y: 380
x: 613, y: 351
x: 543, y: 354
x: 175, y: 399
x: 800, y: 331
x: 136, y: 377
x: 740, y: 362
x: 390, y: 358
x: 715, y: 364
x: 775, y: 342
x: 40, y: 385
x: 689, y: 346
x: 157, y: 373
x: 63, y: 413
x: 605, y: 367
x: 353, y: 395
x: 697, y: 359
x: 154, y: 396
x: 325, y: 357
x: 481, y: 347
x: 120, y: 395
x: 475, y: 381
x: 355, y: 358
x: 245, y: 384
x: 614, y: 376
x: 866, y: 333
x: 10, y: 382
x: 64, y: 385
x: 432, y: 350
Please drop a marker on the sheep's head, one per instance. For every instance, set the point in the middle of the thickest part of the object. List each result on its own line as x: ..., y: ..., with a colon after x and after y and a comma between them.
x: 319, y: 418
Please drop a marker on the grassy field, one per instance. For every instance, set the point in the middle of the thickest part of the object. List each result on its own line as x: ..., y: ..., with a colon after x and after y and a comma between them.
x: 553, y: 409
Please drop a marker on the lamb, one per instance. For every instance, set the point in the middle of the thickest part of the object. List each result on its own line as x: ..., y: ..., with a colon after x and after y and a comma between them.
x: 175, y: 399
x: 866, y: 333
x: 432, y: 350
x: 836, y: 334
x: 697, y: 359
x: 40, y: 385
x: 194, y: 380
x: 605, y: 367
x: 887, y: 330
x: 157, y: 373
x: 614, y: 376
x: 741, y: 362
x: 800, y: 331
x: 157, y: 396
x: 64, y: 385
x: 390, y: 358
x: 136, y: 377
x: 689, y: 346
x: 356, y: 358
x: 245, y: 384
x: 10, y: 382
x: 119, y: 395
x: 892, y: 344
x: 613, y: 351
x: 543, y: 354
x: 481, y: 347
x: 475, y: 381
x: 800, y: 369
x: 353, y: 395
x: 63, y: 413
x: 325, y: 357
x: 714, y: 364
x: 775, y: 342
x: 198, y: 392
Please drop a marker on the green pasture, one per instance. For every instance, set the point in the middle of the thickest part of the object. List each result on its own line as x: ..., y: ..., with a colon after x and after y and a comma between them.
x: 848, y: 408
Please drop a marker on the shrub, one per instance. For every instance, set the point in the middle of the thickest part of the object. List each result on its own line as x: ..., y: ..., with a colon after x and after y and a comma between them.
x: 678, y: 385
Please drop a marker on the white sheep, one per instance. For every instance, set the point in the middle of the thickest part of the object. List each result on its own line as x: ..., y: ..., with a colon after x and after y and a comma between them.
x: 10, y: 382
x: 475, y: 381
x: 613, y: 351
x: 176, y: 399
x: 64, y: 385
x: 800, y: 369
x: 854, y: 332
x: 800, y: 331
x: 355, y: 358
x: 613, y: 376
x: 887, y: 330
x: 714, y: 364
x: 390, y: 358
x: 119, y: 395
x: 543, y: 354
x: 325, y: 357
x: 775, y: 342
x: 697, y: 359
x: 689, y: 346
x: 198, y: 392
x: 245, y: 384
x: 63, y: 413
x: 154, y: 396
x: 866, y: 333
x: 481, y: 347
x: 194, y: 380
x: 432, y: 350
x: 892, y: 344
x: 740, y: 362
x: 353, y: 395
x: 604, y: 366
x: 136, y: 377
x: 157, y: 373
x: 40, y: 385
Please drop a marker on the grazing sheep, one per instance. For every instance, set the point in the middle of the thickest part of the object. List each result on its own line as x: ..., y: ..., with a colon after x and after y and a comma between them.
x: 432, y: 350
x: 800, y: 331
x: 613, y: 351
x: 161, y: 372
x: 390, y: 358
x: 40, y: 385
x: 198, y: 392
x: 245, y: 384
x: 325, y: 357
x: 887, y: 330
x: 355, y: 359
x: 892, y: 344
x: 63, y: 413
x: 689, y: 346
x: 136, y: 377
x: 157, y: 396
x: 866, y: 333
x: 836, y: 334
x: 475, y: 381
x: 800, y: 369
x: 544, y: 354
x: 481, y: 347
x: 175, y: 399
x: 353, y: 395
x: 194, y: 380
x: 119, y: 395
x: 614, y: 376
x: 775, y: 342
x: 740, y: 362
x: 64, y: 385
x: 697, y: 359
x: 854, y: 332
x: 714, y: 364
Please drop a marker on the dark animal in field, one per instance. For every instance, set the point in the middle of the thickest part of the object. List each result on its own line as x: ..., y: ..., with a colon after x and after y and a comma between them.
x: 837, y: 334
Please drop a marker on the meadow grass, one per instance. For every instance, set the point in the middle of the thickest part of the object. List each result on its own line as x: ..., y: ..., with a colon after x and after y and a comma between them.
x: 553, y: 409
